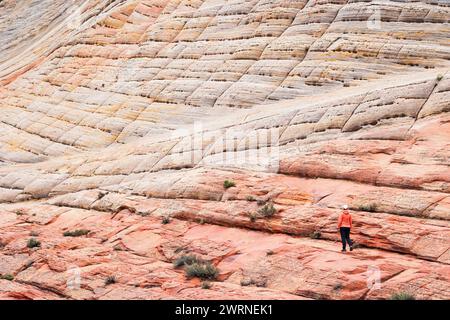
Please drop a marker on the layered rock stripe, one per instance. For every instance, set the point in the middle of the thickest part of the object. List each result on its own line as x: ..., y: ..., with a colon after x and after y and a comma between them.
x: 114, y: 115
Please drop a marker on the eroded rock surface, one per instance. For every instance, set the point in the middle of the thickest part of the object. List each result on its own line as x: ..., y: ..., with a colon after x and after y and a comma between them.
x: 117, y: 116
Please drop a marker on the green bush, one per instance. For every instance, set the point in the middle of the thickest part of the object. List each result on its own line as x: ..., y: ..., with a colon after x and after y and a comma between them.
x: 33, y: 243
x: 110, y: 280
x: 20, y: 212
x: 165, y: 220
x: 315, y: 235
x: 268, y: 210
x: 206, y: 285
x: 76, y: 233
x: 338, y: 287
x: 186, y: 260
x: 403, y: 296
x: 204, y: 270
x: 8, y: 277
x: 228, y: 184
x: 439, y: 77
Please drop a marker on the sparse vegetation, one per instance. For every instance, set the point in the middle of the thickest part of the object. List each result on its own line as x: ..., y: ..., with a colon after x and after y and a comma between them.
x: 20, y: 212
x: 206, y: 285
x: 315, y: 235
x: 268, y: 210
x: 261, y: 202
x: 368, y: 207
x: 186, y: 260
x: 227, y: 184
x: 250, y: 199
x: 197, y: 267
x: 262, y: 283
x: 76, y: 233
x: 110, y: 280
x: 338, y: 287
x: 165, y: 220
x: 8, y: 277
x: 202, y: 270
x: 439, y: 77
x: 253, y: 217
x: 34, y: 234
x: 33, y: 243
x: 403, y: 296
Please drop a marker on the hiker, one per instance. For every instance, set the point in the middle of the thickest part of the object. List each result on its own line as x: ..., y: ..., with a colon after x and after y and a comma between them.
x: 345, y: 225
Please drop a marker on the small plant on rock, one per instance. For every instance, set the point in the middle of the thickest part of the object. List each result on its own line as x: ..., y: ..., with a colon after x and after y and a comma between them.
x: 34, y: 234
x: 268, y: 210
x: 33, y: 243
x: 165, y: 220
x: 253, y: 217
x: 315, y: 235
x: 261, y: 202
x: 186, y: 260
x: 76, y: 233
x: 203, y: 270
x: 206, y: 285
x: 20, y: 212
x: 338, y: 287
x: 227, y: 184
x: 250, y: 198
x: 8, y: 277
x: 439, y: 77
x: 403, y: 296
x: 110, y: 280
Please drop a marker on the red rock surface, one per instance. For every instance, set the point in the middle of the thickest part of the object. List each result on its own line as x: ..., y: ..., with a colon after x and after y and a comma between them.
x: 137, y: 115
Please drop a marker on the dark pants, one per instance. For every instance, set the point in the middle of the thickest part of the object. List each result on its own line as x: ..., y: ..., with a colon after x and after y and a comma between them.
x: 345, y: 237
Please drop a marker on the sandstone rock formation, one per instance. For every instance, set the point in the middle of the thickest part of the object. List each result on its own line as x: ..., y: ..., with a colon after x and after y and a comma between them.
x: 116, y: 115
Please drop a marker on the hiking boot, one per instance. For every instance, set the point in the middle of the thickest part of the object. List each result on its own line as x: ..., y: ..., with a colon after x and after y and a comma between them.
x: 351, y: 248
x: 343, y: 250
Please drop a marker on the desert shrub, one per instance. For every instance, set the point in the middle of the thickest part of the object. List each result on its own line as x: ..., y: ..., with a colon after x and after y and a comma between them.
x: 76, y: 233
x: 268, y: 210
x: 206, y: 285
x: 439, y: 77
x: 338, y: 287
x: 8, y: 277
x: 34, y: 234
x: 403, y: 296
x: 262, y: 283
x: 33, y: 243
x: 110, y: 280
x: 203, y: 270
x: 165, y: 220
x: 250, y: 198
x: 261, y: 202
x: 186, y: 260
x: 20, y: 212
x: 368, y: 207
x: 315, y: 235
x: 253, y: 216
x: 227, y: 184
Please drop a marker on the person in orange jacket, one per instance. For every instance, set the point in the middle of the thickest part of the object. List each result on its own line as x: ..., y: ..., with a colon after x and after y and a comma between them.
x: 345, y: 225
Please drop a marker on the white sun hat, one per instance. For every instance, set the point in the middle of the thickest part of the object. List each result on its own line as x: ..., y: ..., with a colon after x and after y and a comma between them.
x: 345, y: 207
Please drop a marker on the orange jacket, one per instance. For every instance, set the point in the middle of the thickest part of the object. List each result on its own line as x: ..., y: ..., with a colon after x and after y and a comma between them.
x: 345, y: 220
